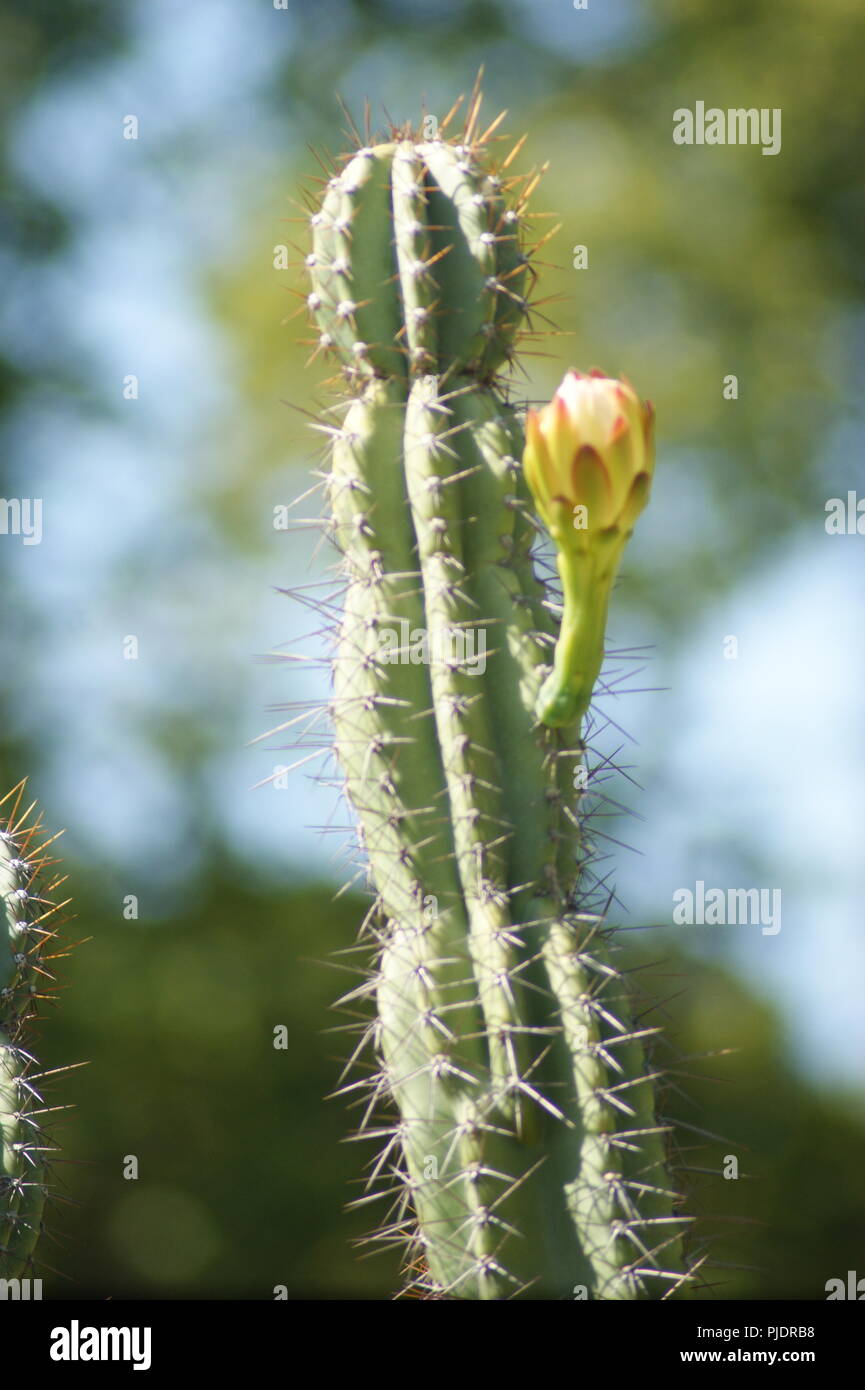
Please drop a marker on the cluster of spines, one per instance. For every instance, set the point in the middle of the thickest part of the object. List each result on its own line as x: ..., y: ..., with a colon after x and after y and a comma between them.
x: 524, y: 1154
x: 30, y: 891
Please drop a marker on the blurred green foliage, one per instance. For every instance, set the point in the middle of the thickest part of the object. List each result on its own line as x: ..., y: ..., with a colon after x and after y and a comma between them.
x: 243, y: 1177
x: 242, y: 1173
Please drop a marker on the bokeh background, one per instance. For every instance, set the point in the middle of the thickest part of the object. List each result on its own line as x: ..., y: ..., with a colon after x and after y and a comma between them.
x: 155, y: 258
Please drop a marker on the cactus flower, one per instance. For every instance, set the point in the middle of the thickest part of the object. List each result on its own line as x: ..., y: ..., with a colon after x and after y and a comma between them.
x: 588, y: 461
x: 589, y: 457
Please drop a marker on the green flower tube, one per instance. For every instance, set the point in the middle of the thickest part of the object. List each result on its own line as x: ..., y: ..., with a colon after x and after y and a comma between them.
x: 588, y: 461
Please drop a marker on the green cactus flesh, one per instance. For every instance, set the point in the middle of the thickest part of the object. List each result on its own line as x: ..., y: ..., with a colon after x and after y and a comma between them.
x: 523, y: 1152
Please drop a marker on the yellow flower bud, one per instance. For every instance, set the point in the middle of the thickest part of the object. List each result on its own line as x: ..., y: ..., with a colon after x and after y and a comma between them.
x: 588, y: 462
x: 589, y: 458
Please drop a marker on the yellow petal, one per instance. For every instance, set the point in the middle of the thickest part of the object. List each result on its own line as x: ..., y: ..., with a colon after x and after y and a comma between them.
x: 636, y: 501
x: 590, y: 487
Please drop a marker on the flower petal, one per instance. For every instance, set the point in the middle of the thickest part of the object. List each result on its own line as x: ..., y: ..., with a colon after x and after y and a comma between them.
x: 590, y: 487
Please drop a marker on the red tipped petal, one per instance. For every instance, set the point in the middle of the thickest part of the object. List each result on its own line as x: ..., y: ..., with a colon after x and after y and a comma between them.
x: 557, y: 432
x: 619, y: 427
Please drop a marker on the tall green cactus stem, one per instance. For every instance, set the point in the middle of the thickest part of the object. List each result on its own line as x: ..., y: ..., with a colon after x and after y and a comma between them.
x: 525, y: 1156
x: 28, y: 910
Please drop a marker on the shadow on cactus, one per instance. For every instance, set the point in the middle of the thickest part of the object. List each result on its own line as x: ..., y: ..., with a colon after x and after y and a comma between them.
x: 29, y: 888
x: 509, y: 1090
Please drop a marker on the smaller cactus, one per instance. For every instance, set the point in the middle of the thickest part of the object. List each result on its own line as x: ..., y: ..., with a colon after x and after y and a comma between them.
x: 30, y: 909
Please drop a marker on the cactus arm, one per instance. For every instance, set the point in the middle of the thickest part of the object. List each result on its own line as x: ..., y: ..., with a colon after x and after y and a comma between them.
x: 430, y: 1030
x: 382, y: 737
x: 352, y: 267
x: 412, y: 241
x: 482, y: 273
x: 656, y: 1226
x: 593, y: 1193
x: 462, y: 725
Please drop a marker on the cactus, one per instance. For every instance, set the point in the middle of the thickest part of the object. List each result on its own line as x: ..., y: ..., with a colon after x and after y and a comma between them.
x: 28, y: 890
x: 512, y: 1089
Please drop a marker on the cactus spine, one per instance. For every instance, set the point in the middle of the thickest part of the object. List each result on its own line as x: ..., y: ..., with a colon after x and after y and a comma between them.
x: 27, y: 890
x: 525, y: 1156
